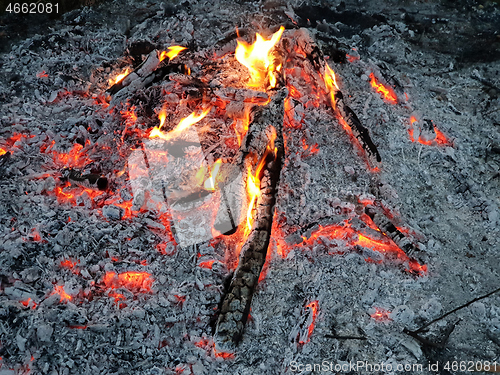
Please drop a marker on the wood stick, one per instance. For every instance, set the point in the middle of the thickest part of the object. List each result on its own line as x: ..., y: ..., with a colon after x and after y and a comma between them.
x: 421, y: 329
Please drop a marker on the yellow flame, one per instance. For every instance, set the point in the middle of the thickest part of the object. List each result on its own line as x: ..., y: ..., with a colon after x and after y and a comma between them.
x: 255, y: 57
x: 119, y: 77
x: 173, y: 51
x: 253, y: 182
x: 200, y: 175
x: 162, y: 116
x: 331, y: 83
x: 210, y: 182
x: 184, y: 124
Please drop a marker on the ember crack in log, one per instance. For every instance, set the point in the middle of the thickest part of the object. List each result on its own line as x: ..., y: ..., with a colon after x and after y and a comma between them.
x: 236, y: 304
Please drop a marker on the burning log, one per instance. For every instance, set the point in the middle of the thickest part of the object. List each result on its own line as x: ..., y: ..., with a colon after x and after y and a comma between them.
x: 236, y: 303
x: 387, y: 227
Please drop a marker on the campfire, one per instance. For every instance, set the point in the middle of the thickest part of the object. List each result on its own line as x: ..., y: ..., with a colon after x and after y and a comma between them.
x: 199, y: 207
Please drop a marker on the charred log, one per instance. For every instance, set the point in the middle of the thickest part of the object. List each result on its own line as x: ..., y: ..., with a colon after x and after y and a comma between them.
x: 236, y: 304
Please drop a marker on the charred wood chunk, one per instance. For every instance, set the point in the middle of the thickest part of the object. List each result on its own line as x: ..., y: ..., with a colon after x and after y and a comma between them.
x: 168, y: 68
x: 236, y: 303
x: 150, y: 71
x: 390, y: 230
x: 360, y: 132
x: 90, y: 180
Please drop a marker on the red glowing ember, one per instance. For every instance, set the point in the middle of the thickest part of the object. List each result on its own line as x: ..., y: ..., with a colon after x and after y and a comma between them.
x: 440, y: 139
x: 382, y: 245
x: 209, y: 346
x: 75, y: 158
x: 131, y: 280
x: 312, y: 310
x: 387, y: 92
x: 10, y: 143
x: 29, y: 303
x: 59, y: 289
x: 207, y: 264
x: 381, y: 315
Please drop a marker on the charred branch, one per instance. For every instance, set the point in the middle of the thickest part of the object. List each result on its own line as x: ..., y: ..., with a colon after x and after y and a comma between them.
x: 358, y: 130
x: 441, y: 343
x: 423, y: 328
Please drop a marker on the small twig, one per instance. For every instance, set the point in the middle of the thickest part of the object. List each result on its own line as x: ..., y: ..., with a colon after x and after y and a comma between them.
x: 346, y: 337
x: 439, y: 344
x: 421, y: 329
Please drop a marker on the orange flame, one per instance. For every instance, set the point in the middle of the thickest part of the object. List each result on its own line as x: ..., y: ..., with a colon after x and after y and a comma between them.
x: 119, y: 77
x: 331, y: 83
x: 210, y: 182
x: 253, y: 189
x: 255, y: 57
x: 387, y: 92
x: 253, y: 182
x: 162, y: 116
x: 59, y: 289
x: 173, y: 51
x: 184, y: 124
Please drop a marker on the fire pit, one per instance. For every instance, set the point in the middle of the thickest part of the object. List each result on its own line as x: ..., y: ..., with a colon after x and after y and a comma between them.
x: 311, y: 191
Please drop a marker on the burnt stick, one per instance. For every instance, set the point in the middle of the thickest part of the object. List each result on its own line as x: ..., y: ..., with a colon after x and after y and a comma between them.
x: 358, y: 130
x: 422, y: 329
x: 235, y: 306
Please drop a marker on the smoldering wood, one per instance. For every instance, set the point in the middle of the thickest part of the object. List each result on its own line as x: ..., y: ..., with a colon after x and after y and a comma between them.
x: 236, y: 303
x: 150, y: 71
x: 89, y: 180
x: 388, y: 228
